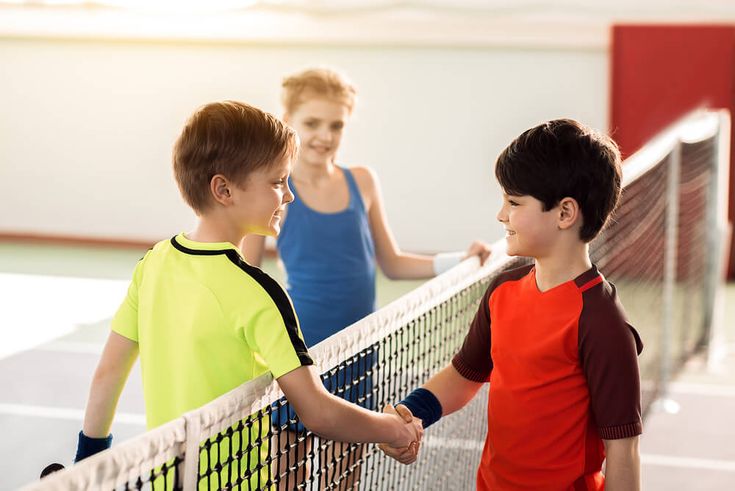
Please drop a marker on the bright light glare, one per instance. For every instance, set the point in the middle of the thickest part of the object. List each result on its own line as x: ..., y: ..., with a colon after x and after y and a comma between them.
x: 179, y: 6
x: 37, y: 309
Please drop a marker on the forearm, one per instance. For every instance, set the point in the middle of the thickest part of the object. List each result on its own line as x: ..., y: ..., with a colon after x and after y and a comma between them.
x: 406, y: 266
x: 101, y: 406
x: 341, y: 421
x: 622, y: 466
x: 109, y: 379
x: 336, y: 419
x: 452, y: 389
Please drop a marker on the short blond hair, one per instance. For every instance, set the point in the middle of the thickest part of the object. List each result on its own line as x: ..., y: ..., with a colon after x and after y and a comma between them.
x: 317, y: 82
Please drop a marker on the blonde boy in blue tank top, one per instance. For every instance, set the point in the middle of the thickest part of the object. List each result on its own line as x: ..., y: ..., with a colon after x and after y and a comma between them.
x: 337, y: 230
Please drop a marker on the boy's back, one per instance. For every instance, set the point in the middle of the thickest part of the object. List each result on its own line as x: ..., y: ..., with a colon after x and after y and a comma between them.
x: 205, y: 322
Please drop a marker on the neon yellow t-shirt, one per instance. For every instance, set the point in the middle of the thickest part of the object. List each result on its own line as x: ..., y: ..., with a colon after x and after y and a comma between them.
x: 205, y: 322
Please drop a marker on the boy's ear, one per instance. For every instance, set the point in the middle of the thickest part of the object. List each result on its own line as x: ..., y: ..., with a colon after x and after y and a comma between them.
x: 219, y: 186
x: 569, y: 213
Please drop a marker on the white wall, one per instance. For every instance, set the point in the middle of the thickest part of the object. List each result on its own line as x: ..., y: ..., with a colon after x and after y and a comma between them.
x: 86, y: 126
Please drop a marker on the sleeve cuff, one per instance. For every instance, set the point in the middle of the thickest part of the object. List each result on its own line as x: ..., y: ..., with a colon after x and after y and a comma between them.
x: 468, y: 372
x: 621, y: 431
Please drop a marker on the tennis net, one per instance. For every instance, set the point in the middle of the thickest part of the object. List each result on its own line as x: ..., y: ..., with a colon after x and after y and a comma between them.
x: 657, y: 252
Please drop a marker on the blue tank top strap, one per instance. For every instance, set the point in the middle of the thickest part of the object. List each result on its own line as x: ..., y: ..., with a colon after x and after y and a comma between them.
x: 355, y: 196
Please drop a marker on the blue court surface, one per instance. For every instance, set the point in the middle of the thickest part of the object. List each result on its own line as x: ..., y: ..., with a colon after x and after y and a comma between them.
x: 56, y: 306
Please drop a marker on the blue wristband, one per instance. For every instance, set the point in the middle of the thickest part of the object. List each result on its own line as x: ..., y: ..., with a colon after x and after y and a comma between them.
x: 424, y: 405
x: 89, y: 446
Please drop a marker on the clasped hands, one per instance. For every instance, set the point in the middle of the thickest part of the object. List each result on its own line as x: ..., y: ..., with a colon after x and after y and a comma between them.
x: 409, y: 454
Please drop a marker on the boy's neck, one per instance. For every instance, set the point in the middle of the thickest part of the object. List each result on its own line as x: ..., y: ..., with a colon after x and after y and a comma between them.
x: 559, y: 268
x: 209, y: 229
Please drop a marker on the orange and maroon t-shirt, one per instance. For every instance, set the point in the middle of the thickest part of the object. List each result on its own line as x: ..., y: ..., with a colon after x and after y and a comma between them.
x: 563, y: 371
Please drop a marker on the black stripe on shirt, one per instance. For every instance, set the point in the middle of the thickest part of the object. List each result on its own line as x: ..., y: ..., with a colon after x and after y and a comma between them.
x: 281, y: 300
x: 271, y: 287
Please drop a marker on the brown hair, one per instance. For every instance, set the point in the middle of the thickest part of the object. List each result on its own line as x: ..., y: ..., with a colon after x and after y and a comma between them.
x: 319, y: 82
x: 228, y: 138
x: 564, y: 158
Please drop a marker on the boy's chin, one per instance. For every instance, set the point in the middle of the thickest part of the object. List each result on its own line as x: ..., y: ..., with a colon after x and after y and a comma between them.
x: 267, y: 232
x: 514, y: 252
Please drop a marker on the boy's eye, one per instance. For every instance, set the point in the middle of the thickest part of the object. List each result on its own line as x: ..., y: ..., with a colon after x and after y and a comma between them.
x: 338, y: 126
x: 311, y: 124
x: 512, y: 202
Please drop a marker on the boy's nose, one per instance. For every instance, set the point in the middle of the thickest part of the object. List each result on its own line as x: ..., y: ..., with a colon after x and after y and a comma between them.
x: 288, y: 196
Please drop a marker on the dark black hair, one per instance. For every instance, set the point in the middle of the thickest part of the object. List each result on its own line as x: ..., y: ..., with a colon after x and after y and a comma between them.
x: 564, y: 158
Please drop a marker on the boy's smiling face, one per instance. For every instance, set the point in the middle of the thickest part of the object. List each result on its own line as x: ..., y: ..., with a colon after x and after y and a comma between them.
x: 529, y: 230
x: 259, y: 203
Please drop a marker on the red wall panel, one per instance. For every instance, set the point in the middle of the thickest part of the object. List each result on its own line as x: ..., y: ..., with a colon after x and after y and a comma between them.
x: 660, y: 73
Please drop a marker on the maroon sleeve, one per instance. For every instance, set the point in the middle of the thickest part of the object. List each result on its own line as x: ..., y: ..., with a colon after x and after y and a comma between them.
x: 473, y: 360
x: 608, y: 350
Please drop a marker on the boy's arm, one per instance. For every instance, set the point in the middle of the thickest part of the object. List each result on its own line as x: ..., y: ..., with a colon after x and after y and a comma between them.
x: 451, y: 390
x: 395, y: 263
x: 336, y: 419
x: 109, y: 379
x: 623, y: 465
x: 457, y: 383
x: 252, y: 248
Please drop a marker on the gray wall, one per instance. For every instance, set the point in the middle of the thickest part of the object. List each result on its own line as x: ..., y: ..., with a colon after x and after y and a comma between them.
x: 86, y: 126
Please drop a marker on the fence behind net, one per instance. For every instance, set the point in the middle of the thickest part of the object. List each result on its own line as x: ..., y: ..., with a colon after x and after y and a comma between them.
x: 656, y: 252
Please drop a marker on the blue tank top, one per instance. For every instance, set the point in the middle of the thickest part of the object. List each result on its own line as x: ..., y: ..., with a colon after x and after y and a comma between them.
x: 330, y: 264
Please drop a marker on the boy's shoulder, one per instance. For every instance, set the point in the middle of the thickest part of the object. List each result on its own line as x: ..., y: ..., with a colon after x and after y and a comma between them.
x: 230, y: 277
x: 513, y: 274
x: 604, y: 317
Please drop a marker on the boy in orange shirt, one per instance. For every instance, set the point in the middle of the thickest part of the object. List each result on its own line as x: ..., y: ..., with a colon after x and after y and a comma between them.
x: 552, y: 337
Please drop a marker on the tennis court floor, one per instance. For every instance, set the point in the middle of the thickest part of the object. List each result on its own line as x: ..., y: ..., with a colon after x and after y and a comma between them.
x: 57, y: 302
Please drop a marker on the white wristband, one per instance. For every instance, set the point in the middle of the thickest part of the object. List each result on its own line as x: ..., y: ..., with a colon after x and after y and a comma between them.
x: 444, y: 261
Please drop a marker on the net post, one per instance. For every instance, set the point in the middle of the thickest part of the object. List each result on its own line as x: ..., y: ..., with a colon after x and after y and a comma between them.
x: 191, y: 454
x: 717, y: 241
x: 669, y: 275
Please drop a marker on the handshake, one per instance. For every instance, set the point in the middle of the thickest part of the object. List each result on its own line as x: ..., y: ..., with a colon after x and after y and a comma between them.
x: 412, y: 431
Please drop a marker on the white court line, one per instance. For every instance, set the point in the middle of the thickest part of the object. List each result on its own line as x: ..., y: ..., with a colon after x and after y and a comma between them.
x: 64, y: 413
x: 688, y: 462
x: 702, y: 389
x: 72, y: 347
x: 459, y: 443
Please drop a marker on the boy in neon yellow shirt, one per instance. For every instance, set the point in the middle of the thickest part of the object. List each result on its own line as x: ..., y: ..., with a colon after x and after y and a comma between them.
x: 203, y: 320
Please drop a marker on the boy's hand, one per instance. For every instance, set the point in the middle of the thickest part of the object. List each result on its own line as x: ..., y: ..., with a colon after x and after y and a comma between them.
x: 409, y: 454
x: 480, y: 249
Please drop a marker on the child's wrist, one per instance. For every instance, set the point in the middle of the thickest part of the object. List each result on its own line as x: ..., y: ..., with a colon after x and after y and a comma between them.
x: 88, y: 446
x: 424, y: 405
x: 444, y: 261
